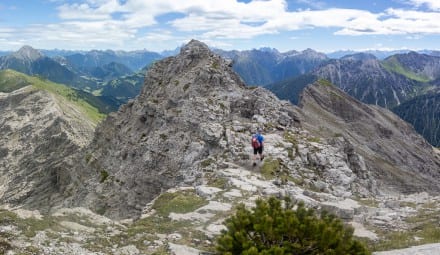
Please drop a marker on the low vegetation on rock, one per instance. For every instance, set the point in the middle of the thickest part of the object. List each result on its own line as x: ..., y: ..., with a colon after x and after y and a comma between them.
x: 271, y: 228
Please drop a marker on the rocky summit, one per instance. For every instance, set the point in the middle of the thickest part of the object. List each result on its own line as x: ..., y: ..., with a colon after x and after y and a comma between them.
x: 192, y: 109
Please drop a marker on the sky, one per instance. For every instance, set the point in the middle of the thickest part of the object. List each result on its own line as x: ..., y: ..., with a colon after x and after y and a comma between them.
x: 157, y: 25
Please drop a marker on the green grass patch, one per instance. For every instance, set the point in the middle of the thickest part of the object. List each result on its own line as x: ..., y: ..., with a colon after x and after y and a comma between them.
x: 207, y: 162
x: 28, y: 227
x: 424, y: 228
x: 270, y: 168
x: 393, y: 65
x: 314, y: 139
x: 325, y: 82
x: 371, y: 202
x: 104, y: 175
x: 11, y: 80
x: 335, y: 96
x: 215, y: 64
x: 178, y: 202
x: 216, y: 181
x: 289, y: 137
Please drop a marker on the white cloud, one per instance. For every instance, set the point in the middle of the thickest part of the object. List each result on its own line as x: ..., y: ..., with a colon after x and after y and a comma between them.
x: 395, y: 22
x: 431, y: 4
x: 90, y: 10
x: 232, y: 19
x: 132, y: 23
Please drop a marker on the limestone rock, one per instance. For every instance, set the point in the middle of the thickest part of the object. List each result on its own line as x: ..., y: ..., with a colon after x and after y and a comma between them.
x: 377, y: 141
x: 163, y: 138
x: 38, y: 132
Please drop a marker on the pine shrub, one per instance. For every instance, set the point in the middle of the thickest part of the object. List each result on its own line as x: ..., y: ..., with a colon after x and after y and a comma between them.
x: 273, y: 228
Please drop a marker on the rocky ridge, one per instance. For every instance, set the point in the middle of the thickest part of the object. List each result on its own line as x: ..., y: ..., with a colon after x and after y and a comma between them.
x: 399, y: 158
x: 38, y: 130
x: 194, y: 110
x: 176, y: 161
x: 183, y: 116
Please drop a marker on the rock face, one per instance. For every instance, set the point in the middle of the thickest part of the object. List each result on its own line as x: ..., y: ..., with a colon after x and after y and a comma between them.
x: 38, y: 132
x: 368, y: 80
x: 423, y: 112
x: 163, y: 138
x: 399, y: 158
x: 422, y: 65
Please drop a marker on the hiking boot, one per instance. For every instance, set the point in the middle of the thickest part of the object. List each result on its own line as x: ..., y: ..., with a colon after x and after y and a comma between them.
x: 261, y: 158
x: 254, y: 164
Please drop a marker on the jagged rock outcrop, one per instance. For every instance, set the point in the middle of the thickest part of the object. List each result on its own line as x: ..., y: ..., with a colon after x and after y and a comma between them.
x: 399, y: 158
x: 194, y: 113
x: 38, y: 131
x: 180, y: 119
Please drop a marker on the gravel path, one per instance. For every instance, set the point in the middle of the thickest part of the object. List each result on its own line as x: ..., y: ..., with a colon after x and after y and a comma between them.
x: 427, y: 249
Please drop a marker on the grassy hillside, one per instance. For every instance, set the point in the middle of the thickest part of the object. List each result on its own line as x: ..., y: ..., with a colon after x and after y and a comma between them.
x: 10, y: 81
x: 392, y: 64
x: 92, y: 107
x: 123, y: 88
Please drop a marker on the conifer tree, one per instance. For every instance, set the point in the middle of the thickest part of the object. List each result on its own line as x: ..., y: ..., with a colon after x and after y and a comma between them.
x: 273, y: 228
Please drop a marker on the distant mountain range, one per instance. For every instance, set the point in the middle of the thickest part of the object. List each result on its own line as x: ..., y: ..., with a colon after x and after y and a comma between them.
x: 262, y: 67
x: 380, y: 54
x: 30, y: 61
x: 405, y: 83
x: 134, y: 60
x: 89, y: 71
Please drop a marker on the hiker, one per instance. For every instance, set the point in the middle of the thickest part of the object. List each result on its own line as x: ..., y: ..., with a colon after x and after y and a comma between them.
x: 258, y: 145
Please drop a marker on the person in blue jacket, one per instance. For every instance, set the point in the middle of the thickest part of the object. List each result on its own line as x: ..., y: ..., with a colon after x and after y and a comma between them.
x: 258, y: 145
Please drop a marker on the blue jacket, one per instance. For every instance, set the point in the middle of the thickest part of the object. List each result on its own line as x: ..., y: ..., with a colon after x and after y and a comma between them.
x: 260, y: 138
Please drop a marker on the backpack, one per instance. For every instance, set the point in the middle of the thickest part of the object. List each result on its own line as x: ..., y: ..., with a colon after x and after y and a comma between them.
x: 255, y: 143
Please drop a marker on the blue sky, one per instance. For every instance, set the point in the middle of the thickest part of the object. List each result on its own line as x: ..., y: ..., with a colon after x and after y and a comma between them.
x: 324, y: 25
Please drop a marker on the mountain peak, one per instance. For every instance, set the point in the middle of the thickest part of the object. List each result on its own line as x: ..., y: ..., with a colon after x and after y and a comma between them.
x: 194, y: 47
x: 184, y: 114
x: 28, y: 53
